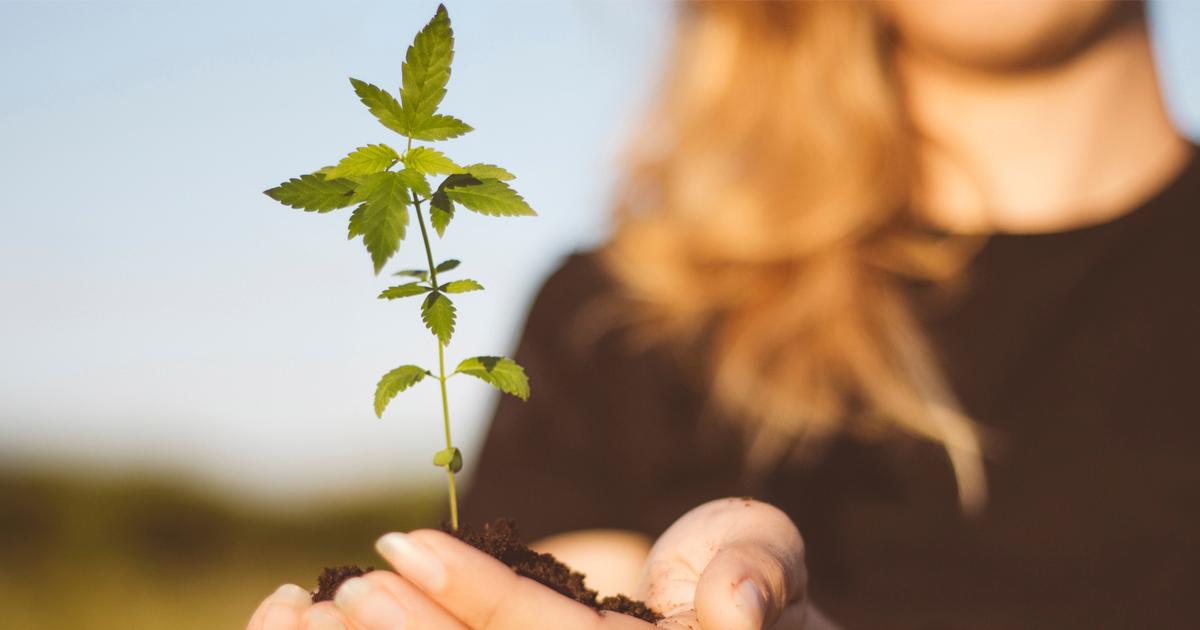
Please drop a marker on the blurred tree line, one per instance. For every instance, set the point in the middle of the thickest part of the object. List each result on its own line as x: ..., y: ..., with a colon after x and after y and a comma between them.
x: 79, y: 551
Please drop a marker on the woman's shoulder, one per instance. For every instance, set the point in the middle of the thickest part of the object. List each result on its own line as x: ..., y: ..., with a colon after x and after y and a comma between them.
x: 571, y: 296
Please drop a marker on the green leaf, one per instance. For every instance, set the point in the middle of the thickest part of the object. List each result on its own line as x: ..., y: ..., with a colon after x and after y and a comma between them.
x: 426, y: 69
x: 499, y: 372
x: 440, y: 127
x: 382, y: 219
x: 447, y: 265
x: 491, y: 197
x: 386, y: 188
x: 395, y: 382
x: 458, y: 180
x: 461, y: 286
x: 488, y: 171
x: 440, y: 211
x: 314, y: 193
x: 372, y: 158
x: 384, y: 106
x: 437, y: 311
x: 430, y: 162
x: 404, y: 290
x: 449, y: 458
x: 414, y: 181
x: 381, y: 228
x: 414, y: 273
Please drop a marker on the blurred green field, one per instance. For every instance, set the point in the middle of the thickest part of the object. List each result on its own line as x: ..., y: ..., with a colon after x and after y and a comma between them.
x: 98, y: 553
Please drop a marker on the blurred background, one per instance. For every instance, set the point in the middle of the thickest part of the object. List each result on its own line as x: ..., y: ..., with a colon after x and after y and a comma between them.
x: 187, y: 367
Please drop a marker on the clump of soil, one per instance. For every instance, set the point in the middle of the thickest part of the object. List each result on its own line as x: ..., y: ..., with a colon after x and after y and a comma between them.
x: 332, y: 577
x: 501, y: 541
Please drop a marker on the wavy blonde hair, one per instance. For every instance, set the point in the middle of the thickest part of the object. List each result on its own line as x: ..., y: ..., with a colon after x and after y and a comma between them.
x: 763, y: 213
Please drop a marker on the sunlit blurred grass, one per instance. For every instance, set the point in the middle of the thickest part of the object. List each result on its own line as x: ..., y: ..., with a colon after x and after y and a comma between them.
x: 133, y: 554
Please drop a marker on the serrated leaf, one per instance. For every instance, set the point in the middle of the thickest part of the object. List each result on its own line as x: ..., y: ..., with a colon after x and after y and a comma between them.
x: 503, y: 374
x: 440, y: 211
x: 383, y: 105
x: 440, y: 127
x: 372, y: 158
x: 395, y: 382
x: 461, y: 286
x: 458, y: 180
x: 388, y: 187
x: 430, y: 162
x: 414, y: 181
x: 414, y: 273
x: 382, y: 219
x: 491, y: 197
x: 404, y: 290
x: 382, y: 229
x: 314, y: 193
x: 488, y: 171
x: 447, y: 265
x: 438, y: 313
x: 449, y: 458
x: 426, y: 68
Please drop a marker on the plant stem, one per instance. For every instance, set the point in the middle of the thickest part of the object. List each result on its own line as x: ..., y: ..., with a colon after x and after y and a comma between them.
x: 441, y: 367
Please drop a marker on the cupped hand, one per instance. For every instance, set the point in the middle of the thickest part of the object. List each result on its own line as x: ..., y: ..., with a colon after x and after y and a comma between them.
x: 732, y: 564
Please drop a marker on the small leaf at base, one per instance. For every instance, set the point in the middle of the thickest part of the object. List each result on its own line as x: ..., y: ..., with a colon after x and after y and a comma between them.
x: 449, y: 458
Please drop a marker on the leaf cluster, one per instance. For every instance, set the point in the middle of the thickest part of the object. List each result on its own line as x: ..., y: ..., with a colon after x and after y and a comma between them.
x: 387, y: 186
x: 383, y: 183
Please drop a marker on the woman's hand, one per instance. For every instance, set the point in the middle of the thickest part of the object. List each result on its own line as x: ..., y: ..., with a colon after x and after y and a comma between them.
x: 732, y: 564
x: 291, y: 608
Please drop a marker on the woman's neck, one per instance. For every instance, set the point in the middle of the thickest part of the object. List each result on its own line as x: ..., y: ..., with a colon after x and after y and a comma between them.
x: 1039, y: 150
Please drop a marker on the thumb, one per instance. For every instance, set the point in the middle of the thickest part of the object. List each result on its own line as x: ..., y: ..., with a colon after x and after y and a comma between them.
x: 730, y: 564
x: 748, y: 584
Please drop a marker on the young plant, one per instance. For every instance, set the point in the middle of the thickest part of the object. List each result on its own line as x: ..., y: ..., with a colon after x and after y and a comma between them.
x: 384, y: 183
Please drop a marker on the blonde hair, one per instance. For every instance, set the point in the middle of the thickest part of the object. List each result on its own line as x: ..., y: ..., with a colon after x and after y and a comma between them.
x: 763, y: 214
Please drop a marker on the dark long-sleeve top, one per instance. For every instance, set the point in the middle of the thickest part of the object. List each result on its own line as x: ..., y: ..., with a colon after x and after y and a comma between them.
x: 1078, y: 351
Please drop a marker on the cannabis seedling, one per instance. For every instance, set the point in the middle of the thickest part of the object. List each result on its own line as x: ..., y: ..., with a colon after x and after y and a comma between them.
x: 366, y: 177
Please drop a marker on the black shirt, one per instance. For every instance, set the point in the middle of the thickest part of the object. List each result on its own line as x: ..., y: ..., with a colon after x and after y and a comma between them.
x: 1079, y: 350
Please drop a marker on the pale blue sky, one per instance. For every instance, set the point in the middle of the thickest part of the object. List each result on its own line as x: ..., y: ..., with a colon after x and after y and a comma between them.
x: 158, y: 311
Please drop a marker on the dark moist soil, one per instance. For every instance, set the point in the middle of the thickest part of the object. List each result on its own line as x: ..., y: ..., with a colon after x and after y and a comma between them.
x: 332, y: 577
x: 500, y: 540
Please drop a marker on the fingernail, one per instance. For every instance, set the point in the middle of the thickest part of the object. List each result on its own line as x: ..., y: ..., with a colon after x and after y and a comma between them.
x: 368, y: 606
x: 414, y: 562
x: 752, y: 602
x: 292, y: 593
x: 320, y: 620
x: 351, y: 592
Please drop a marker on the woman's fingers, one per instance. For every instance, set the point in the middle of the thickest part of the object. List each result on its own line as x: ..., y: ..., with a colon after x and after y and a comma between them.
x: 325, y: 616
x: 485, y: 594
x: 382, y: 600
x: 732, y: 564
x: 281, y: 610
